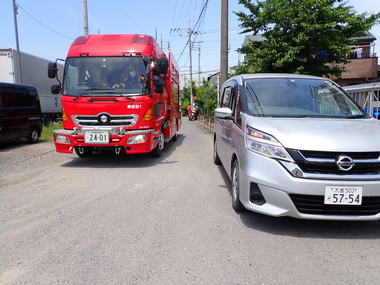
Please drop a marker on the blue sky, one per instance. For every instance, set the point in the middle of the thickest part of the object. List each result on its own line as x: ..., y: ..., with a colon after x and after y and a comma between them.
x: 63, y: 23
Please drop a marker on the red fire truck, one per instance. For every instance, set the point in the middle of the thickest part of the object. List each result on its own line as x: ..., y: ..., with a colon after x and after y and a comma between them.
x: 120, y: 92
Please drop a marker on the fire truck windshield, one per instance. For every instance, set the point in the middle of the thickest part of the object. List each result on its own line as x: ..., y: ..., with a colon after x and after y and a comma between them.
x: 116, y: 75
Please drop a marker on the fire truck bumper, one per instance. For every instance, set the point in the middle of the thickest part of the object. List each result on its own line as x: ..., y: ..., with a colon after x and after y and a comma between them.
x: 133, y: 141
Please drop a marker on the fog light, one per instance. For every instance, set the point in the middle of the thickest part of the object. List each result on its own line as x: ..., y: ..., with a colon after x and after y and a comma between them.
x: 62, y: 139
x: 137, y: 139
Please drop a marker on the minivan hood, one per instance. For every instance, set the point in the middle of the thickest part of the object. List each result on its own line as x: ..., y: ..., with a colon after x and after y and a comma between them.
x: 321, y: 134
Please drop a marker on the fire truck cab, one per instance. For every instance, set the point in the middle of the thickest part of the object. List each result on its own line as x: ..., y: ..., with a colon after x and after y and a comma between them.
x: 118, y: 91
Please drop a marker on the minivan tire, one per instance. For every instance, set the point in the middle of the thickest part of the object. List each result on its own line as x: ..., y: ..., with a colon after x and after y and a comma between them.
x: 235, y: 188
x: 34, y: 135
x: 87, y: 151
x: 215, y: 155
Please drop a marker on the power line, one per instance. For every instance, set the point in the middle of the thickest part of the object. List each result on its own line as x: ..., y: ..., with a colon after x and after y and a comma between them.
x: 42, y: 24
x: 116, y: 2
x: 203, y: 72
x: 197, y: 23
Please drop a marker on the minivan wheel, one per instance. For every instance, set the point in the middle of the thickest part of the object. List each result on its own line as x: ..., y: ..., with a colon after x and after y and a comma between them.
x: 34, y: 135
x: 157, y: 151
x: 215, y: 155
x: 235, y: 185
x: 84, y: 151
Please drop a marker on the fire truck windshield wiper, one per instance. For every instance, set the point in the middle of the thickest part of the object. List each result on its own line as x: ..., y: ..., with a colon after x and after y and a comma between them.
x: 92, y: 89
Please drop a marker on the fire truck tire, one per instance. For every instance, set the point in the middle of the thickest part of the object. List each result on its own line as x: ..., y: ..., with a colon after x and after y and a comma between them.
x: 157, y: 151
x: 84, y: 152
x: 174, y: 138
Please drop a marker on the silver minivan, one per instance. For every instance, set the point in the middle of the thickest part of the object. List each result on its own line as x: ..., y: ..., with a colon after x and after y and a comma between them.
x: 298, y: 146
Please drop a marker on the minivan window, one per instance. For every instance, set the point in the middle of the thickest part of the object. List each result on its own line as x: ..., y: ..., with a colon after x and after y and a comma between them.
x: 298, y: 97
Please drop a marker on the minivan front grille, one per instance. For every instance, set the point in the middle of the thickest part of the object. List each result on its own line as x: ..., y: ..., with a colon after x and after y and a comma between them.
x: 321, y: 162
x: 314, y: 205
x: 105, y: 120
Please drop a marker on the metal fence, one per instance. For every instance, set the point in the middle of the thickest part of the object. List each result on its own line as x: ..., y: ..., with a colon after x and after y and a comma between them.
x: 207, y: 122
x: 367, y: 96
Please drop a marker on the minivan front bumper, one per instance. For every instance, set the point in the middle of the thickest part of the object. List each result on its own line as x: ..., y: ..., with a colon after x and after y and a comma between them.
x: 278, y: 187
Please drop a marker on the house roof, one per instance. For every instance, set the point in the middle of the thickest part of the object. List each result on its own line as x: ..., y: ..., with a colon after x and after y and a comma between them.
x: 259, y: 38
x: 366, y: 38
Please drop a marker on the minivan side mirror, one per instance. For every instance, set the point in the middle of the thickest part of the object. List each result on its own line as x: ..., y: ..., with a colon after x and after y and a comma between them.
x: 55, y: 89
x: 223, y: 113
x: 161, y: 66
x: 52, y: 69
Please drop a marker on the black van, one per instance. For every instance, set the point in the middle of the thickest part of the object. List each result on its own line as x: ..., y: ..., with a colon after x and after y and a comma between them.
x: 20, y: 113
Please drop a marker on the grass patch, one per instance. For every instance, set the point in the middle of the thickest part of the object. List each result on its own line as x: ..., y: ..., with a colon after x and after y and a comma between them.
x: 47, y: 131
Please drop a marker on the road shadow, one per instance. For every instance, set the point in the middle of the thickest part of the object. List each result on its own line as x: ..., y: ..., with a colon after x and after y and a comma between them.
x: 10, y: 145
x: 287, y: 226
x: 108, y: 159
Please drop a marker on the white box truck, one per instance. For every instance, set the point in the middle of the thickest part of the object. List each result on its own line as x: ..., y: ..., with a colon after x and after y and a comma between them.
x: 34, y: 73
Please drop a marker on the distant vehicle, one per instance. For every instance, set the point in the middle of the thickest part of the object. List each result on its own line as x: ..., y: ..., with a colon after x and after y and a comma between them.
x: 34, y: 74
x: 119, y: 92
x: 20, y: 113
x: 298, y: 146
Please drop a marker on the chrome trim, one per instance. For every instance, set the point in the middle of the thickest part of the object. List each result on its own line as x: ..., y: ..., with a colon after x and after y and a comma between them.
x: 294, y: 169
x: 330, y: 160
x: 111, y: 130
x: 346, y: 177
x: 34, y: 118
x: 128, y: 121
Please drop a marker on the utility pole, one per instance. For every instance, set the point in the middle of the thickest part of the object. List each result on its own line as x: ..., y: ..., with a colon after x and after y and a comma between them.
x: 85, y: 17
x: 199, y: 65
x: 17, y: 42
x: 224, y: 44
x: 190, y: 32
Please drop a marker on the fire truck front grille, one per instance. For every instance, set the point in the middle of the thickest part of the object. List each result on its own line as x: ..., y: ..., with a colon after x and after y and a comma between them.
x: 105, y: 120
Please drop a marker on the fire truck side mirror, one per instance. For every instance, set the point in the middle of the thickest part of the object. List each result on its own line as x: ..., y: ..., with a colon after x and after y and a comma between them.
x: 52, y: 69
x: 159, y: 83
x: 162, y: 66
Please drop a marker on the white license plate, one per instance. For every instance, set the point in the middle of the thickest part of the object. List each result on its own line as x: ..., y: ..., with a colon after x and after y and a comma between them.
x: 343, y: 195
x: 96, y: 137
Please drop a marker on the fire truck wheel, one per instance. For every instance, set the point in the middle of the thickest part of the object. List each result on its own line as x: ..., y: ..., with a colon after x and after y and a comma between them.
x: 84, y: 152
x: 157, y: 152
x: 174, y: 138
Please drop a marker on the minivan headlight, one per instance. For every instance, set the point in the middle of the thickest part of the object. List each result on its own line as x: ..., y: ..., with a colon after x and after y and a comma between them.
x: 266, y: 144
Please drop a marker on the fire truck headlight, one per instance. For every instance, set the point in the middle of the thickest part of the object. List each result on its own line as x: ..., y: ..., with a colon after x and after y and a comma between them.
x: 62, y: 139
x: 137, y: 139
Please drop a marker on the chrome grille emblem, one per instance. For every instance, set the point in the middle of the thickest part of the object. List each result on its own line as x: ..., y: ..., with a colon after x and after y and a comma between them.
x: 344, y: 162
x: 103, y: 119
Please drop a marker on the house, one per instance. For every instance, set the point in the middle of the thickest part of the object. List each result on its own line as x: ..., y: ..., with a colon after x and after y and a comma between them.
x: 362, y: 66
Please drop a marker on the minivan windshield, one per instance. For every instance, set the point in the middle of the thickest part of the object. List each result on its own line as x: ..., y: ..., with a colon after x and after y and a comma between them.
x: 105, y: 75
x: 298, y: 97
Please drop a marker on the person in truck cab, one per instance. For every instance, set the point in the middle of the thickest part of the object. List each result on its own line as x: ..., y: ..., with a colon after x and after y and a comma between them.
x: 130, y: 80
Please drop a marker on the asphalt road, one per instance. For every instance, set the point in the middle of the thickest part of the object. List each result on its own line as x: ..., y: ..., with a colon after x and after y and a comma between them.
x: 138, y: 220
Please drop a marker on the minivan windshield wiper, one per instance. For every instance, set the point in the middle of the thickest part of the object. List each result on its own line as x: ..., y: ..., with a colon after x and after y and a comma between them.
x: 356, y: 116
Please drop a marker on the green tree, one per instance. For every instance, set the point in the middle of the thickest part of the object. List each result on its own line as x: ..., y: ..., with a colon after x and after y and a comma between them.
x: 205, y: 97
x: 301, y: 36
x: 186, y: 97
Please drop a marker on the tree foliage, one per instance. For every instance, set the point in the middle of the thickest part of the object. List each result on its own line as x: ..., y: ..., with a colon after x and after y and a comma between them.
x: 205, y: 98
x: 301, y: 36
